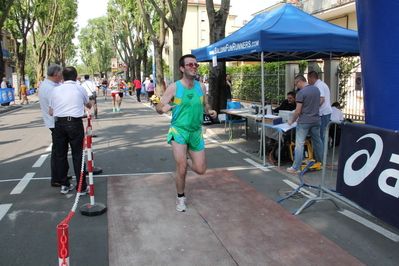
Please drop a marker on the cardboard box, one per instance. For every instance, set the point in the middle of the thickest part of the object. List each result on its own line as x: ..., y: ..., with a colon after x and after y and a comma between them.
x: 286, y: 115
x: 272, y: 119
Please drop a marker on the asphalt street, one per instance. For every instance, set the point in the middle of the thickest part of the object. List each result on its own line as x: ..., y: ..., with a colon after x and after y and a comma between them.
x: 133, y: 143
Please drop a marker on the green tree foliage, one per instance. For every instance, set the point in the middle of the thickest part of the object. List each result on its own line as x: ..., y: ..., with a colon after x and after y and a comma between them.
x: 247, y: 82
x: 174, y: 17
x: 347, y: 66
x: 95, y: 45
x: 53, y: 32
x: 129, y: 35
x: 20, y: 21
x: 157, y: 29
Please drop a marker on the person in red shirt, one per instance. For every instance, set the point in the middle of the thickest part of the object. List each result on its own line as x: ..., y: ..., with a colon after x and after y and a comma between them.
x: 137, y: 85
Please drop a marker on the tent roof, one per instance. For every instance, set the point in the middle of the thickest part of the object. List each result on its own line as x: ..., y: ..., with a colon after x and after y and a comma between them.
x: 283, y: 34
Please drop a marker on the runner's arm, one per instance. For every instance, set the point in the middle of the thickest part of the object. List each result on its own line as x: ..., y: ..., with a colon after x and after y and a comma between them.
x: 163, y: 106
x: 207, y: 107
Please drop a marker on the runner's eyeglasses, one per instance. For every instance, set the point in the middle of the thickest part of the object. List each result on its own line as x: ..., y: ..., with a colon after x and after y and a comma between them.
x: 191, y: 65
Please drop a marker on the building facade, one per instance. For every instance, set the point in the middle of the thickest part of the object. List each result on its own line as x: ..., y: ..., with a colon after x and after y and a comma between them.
x: 7, y: 44
x: 195, y: 30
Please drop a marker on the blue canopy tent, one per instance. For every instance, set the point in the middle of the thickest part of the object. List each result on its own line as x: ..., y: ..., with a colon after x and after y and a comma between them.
x: 282, y: 34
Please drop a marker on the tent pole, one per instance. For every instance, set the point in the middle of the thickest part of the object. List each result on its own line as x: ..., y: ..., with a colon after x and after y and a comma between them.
x: 263, y: 108
x: 278, y: 81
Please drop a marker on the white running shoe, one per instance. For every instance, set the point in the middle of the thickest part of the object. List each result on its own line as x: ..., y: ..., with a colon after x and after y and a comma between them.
x: 293, y: 170
x: 66, y: 189
x: 181, y: 204
x: 84, y: 192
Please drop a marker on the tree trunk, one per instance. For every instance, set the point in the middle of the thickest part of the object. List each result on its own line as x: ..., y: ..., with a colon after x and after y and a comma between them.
x: 2, y: 72
x: 137, y: 64
x: 217, y: 81
x: 159, y: 70
x: 177, y: 53
x: 217, y: 75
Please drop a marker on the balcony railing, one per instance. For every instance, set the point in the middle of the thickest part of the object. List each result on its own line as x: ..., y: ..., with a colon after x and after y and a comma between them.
x: 315, y: 6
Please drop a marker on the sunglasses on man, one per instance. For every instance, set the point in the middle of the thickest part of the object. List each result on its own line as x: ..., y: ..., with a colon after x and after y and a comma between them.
x: 191, y: 65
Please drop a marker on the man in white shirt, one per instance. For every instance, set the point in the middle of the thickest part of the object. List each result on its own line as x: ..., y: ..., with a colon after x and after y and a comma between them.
x: 54, y: 76
x: 146, y: 83
x: 336, y: 114
x: 67, y: 106
x: 91, y: 88
x: 4, y: 86
x: 325, y: 108
x: 335, y: 130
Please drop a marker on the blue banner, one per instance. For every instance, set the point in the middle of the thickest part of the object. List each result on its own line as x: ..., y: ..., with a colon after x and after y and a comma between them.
x: 368, y: 169
x: 7, y: 95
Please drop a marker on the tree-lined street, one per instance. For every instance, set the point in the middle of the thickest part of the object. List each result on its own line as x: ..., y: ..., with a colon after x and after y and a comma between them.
x: 133, y: 143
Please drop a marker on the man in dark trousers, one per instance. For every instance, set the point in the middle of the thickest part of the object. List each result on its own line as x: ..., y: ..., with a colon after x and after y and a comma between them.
x: 67, y: 106
x: 307, y: 112
x: 54, y: 76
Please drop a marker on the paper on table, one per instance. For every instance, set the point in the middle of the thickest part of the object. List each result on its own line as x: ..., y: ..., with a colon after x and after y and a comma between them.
x: 285, y: 127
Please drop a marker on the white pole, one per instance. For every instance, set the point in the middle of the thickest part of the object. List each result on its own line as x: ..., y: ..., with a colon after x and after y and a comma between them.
x: 263, y: 106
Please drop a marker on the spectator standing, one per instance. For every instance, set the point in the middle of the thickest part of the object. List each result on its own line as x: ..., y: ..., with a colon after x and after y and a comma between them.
x: 4, y: 86
x: 137, y: 85
x: 67, y: 106
x: 206, y: 84
x: 41, y: 80
x: 150, y: 89
x: 24, y: 93
x: 54, y: 76
x: 91, y: 88
x: 325, y: 108
x: 4, y: 83
x: 146, y: 82
x: 129, y: 86
x: 228, y: 87
x: 185, y: 133
x: 307, y: 112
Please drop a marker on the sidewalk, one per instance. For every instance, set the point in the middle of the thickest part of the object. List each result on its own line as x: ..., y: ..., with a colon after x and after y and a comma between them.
x: 251, y: 146
x: 214, y: 230
x: 34, y: 98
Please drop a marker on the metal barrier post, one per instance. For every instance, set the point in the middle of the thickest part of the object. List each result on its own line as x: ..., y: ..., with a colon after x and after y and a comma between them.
x: 322, y: 189
x: 93, y: 208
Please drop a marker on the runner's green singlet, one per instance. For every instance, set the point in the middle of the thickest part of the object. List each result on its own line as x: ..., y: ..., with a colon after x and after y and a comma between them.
x: 188, y: 113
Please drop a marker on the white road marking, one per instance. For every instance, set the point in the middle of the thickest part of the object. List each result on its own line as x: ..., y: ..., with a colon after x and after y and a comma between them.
x: 211, y: 139
x: 22, y: 184
x: 4, y: 209
x: 303, y: 191
x: 261, y: 167
x: 40, y: 161
x: 373, y: 226
x: 228, y: 149
x: 49, y: 148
